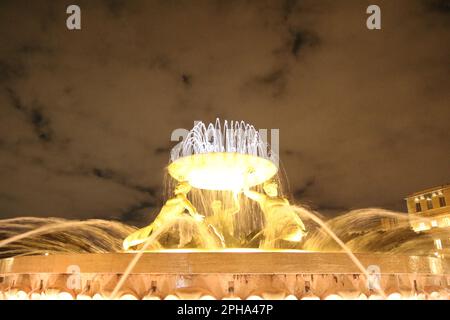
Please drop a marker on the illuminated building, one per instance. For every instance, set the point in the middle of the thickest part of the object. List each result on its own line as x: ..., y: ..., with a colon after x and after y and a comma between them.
x: 429, y: 211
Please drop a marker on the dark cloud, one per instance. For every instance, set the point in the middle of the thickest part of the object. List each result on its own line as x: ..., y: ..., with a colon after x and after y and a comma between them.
x: 9, y: 71
x: 14, y: 99
x: 162, y: 150
x: 288, y: 7
x: 115, y: 7
x: 41, y: 124
x: 302, y: 39
x: 34, y: 115
x: 102, y: 173
x: 442, y: 6
x: 186, y: 79
x: 300, y: 192
x: 32, y: 49
x: 273, y: 82
x: 272, y: 77
x: 115, y: 177
x: 139, y: 214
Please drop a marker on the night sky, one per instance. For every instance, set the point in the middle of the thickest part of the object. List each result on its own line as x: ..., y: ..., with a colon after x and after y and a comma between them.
x: 86, y: 116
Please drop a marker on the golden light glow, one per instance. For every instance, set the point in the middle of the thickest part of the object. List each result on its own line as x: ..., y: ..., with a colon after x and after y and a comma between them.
x: 421, y: 227
x: 438, y: 244
x: 222, y: 171
x: 296, y: 237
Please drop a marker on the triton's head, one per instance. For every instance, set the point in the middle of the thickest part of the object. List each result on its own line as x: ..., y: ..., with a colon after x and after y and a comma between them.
x: 271, y: 188
x: 183, y: 187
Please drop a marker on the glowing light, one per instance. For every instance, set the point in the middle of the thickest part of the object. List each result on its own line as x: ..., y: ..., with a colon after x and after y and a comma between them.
x: 394, y: 296
x: 50, y: 294
x: 421, y: 227
x: 296, y: 237
x: 274, y: 295
x: 64, y: 296
x: 231, y: 298
x: 310, y: 297
x: 254, y: 297
x: 438, y: 244
x: 333, y: 297
x: 35, y: 296
x: 16, y: 295
x: 435, y: 296
x: 222, y: 171
x: 229, y: 158
x: 150, y: 297
x: 421, y: 296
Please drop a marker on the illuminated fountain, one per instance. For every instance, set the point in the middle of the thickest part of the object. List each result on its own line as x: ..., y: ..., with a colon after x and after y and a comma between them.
x: 221, y: 165
x: 226, y: 231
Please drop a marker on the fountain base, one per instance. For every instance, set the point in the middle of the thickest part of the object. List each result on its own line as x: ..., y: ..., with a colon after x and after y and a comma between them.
x: 230, y: 274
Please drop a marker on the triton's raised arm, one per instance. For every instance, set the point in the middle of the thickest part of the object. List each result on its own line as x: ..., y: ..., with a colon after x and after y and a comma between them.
x: 189, y: 206
x: 236, y: 207
x: 254, y: 195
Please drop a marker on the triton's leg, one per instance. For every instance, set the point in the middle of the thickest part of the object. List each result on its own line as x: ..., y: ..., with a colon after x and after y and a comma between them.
x: 137, y: 237
x: 217, y: 234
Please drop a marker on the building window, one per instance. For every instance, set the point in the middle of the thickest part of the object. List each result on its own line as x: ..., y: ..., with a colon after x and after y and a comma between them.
x: 429, y: 204
x: 442, y: 202
x: 438, y: 244
x: 418, y: 207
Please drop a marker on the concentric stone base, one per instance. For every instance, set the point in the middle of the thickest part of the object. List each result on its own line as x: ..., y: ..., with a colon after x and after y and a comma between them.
x: 238, y: 274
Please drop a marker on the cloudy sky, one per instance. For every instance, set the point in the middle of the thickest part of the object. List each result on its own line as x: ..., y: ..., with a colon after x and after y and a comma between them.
x: 86, y: 116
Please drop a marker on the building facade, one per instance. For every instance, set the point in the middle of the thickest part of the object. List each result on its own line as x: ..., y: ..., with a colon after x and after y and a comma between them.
x: 434, y: 206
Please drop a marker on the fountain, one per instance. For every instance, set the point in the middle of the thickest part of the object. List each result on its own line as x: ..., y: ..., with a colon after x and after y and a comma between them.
x: 226, y: 231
